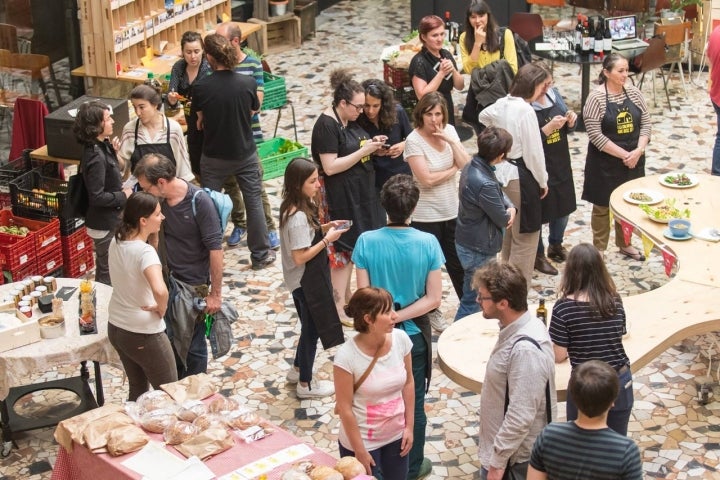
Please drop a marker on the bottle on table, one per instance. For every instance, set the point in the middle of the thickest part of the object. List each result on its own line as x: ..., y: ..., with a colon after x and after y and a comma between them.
x: 153, y: 82
x: 448, y: 27
x: 599, y: 40
x: 586, y: 47
x: 607, y: 41
x: 541, y: 312
x: 578, y: 33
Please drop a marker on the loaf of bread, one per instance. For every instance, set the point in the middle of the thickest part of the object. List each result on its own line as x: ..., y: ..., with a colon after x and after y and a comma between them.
x: 243, y: 420
x: 350, y: 467
x: 190, y: 410
x: 154, y: 400
x: 321, y: 472
x: 157, y: 421
x: 207, y: 420
x: 179, y: 432
x: 223, y: 404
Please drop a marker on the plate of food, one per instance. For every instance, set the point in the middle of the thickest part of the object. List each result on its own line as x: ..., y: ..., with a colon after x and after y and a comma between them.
x: 678, y: 180
x: 641, y: 196
x: 665, y: 211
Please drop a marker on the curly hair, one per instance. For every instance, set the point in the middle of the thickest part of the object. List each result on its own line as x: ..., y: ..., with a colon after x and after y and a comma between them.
x: 343, y: 85
x: 89, y: 122
x: 387, y: 117
x: 220, y: 49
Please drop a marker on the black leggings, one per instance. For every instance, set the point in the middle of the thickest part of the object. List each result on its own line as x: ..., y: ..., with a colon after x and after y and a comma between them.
x: 445, y: 233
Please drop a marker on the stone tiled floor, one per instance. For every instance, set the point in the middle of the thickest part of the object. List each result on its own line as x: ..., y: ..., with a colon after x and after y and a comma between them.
x: 679, y: 438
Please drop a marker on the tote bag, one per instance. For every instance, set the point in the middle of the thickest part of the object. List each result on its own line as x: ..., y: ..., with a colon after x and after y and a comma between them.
x: 76, y: 202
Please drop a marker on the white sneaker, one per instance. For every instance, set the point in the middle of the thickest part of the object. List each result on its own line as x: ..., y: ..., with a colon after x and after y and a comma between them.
x: 437, y: 322
x: 293, y: 375
x: 317, y: 389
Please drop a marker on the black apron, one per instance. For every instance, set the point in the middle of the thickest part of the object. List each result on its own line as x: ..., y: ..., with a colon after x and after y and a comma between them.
x: 531, y: 216
x: 145, y: 148
x: 317, y: 289
x: 351, y: 194
x: 604, y: 172
x: 560, y: 200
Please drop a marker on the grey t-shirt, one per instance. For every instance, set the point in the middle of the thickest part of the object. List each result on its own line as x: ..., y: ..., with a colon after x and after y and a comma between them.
x: 296, y: 234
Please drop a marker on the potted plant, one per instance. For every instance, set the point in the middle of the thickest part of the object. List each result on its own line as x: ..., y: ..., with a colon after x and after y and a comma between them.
x: 676, y: 8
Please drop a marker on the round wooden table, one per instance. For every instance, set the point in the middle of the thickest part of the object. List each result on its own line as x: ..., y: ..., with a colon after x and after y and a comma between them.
x: 689, y: 304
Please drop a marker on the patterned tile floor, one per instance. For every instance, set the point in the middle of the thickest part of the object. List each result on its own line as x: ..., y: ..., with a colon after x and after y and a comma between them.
x: 679, y: 438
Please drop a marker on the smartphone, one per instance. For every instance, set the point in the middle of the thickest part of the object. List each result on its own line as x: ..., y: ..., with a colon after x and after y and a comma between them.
x: 344, y: 225
x: 437, y: 69
x: 387, y: 145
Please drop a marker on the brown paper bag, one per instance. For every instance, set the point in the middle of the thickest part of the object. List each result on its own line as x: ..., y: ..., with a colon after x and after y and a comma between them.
x: 206, y: 444
x: 72, y: 429
x: 194, y: 387
x: 126, y: 439
x: 96, y: 432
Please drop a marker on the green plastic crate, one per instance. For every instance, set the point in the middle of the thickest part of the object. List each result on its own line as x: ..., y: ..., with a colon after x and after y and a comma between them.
x: 275, y: 92
x: 274, y: 162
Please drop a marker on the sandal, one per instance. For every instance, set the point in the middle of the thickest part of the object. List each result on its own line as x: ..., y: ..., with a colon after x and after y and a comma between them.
x: 634, y: 255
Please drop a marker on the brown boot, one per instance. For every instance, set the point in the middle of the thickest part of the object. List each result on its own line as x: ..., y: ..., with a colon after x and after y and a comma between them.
x: 542, y: 265
x: 557, y: 252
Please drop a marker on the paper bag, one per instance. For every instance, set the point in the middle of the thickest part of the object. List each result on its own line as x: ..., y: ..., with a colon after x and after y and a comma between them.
x: 126, y: 439
x: 206, y: 444
x: 72, y: 429
x: 96, y: 432
x: 194, y: 387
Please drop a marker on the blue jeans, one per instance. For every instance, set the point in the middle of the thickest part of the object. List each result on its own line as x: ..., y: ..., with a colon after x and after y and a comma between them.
x: 619, y: 414
x: 470, y: 260
x: 716, y: 149
x: 307, y: 344
x: 419, y: 364
x: 389, y: 464
x: 556, y: 235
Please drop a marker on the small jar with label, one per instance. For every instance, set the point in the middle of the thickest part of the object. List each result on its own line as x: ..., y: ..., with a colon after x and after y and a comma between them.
x: 50, y: 283
x: 28, y: 286
x: 27, y: 311
x: 37, y: 280
x: 24, y: 303
x: 16, y: 295
x: 35, y: 295
x: 42, y: 289
x: 27, y: 298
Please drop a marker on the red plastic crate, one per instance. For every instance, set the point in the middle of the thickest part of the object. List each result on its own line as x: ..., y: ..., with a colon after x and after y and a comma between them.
x: 49, y: 263
x: 15, y: 275
x: 47, y: 238
x: 5, y: 199
x: 71, y: 244
x: 16, y: 252
x: 80, y: 263
x: 396, y: 77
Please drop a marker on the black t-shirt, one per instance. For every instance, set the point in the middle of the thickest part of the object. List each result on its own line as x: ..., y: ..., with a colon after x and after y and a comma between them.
x: 423, y: 65
x: 226, y: 100
x: 386, y: 167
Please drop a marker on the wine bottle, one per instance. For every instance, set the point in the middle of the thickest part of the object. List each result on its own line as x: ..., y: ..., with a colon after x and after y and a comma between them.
x: 448, y: 27
x: 607, y: 40
x: 578, y: 34
x: 599, y: 40
x: 585, y: 49
x: 541, y: 312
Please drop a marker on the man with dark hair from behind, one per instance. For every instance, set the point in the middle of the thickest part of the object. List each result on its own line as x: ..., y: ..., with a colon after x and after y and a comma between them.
x: 406, y: 262
x: 587, y: 448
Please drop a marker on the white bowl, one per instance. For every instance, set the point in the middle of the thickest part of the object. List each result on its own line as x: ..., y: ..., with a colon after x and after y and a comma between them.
x: 51, y: 328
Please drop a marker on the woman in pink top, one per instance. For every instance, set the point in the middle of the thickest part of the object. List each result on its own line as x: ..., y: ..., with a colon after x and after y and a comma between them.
x: 374, y: 387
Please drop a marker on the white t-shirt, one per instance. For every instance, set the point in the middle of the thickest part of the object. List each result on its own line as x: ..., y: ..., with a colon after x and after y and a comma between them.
x: 438, y: 203
x: 296, y: 234
x: 378, y: 404
x: 131, y: 290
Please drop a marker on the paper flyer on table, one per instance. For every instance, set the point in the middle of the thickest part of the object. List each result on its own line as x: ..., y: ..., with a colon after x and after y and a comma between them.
x: 269, y: 463
x: 154, y: 462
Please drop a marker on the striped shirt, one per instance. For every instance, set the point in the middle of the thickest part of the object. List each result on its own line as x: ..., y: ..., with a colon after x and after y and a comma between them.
x: 567, y: 452
x: 252, y: 66
x: 594, y: 112
x: 575, y: 326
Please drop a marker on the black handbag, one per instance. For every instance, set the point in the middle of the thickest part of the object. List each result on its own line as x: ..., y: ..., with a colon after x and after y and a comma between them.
x: 76, y: 201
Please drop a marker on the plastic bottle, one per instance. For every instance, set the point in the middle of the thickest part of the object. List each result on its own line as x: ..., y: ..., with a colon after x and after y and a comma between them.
x: 153, y: 82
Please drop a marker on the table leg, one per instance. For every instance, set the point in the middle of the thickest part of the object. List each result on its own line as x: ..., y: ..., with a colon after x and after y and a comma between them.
x: 7, y: 441
x: 99, y: 393
x: 585, y: 90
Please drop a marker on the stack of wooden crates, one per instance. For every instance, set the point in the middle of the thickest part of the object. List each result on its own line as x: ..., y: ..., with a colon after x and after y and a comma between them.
x: 278, y: 33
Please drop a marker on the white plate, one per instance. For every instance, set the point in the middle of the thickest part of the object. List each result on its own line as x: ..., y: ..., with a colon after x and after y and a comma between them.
x: 693, y: 180
x: 709, y: 234
x: 655, y: 196
x: 669, y: 235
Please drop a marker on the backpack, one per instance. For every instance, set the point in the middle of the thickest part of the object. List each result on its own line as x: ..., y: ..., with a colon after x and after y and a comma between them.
x: 524, y: 55
x: 222, y: 202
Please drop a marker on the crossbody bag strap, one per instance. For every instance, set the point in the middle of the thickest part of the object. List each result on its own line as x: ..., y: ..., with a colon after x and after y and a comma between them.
x: 548, y: 409
x: 367, y: 371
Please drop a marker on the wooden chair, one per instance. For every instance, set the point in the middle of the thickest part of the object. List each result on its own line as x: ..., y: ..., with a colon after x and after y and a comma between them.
x: 8, y: 37
x: 528, y: 25
x: 677, y: 39
x: 36, y: 63
x: 652, y: 61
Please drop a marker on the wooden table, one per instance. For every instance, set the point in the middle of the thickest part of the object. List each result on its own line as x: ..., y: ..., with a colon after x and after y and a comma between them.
x: 689, y: 304
x: 20, y: 363
x: 42, y: 154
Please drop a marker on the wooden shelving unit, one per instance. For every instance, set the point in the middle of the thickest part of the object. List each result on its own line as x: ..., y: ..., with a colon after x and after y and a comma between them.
x: 117, y: 33
x: 279, y: 32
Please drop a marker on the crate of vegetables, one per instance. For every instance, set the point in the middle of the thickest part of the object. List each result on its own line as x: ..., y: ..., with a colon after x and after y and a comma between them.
x: 36, y: 196
x: 22, y: 240
x: 276, y: 153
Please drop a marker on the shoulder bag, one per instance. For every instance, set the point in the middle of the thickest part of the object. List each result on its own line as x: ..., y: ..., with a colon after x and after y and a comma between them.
x: 76, y: 200
x: 367, y: 371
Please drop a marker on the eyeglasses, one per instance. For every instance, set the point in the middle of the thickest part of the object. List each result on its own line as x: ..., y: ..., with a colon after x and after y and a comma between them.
x: 480, y: 299
x: 359, y: 108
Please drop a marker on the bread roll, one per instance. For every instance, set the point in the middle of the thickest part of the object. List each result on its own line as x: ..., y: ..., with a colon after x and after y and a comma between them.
x: 154, y: 400
x: 321, y: 472
x: 223, y: 404
x: 241, y: 420
x: 350, y: 467
x: 190, y: 410
x: 207, y: 420
x: 157, y: 421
